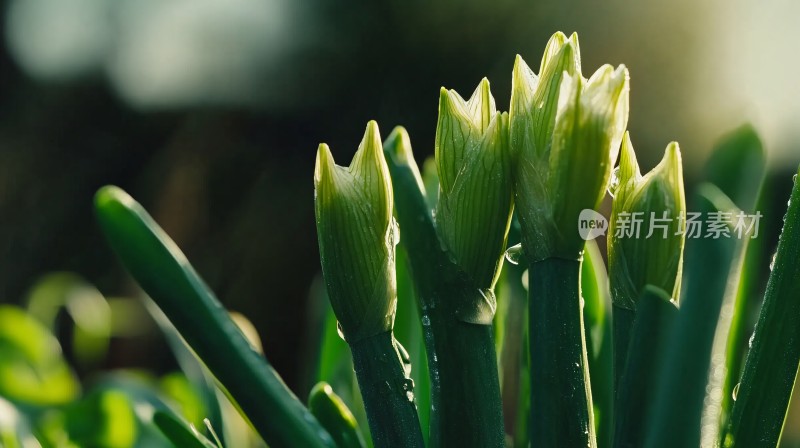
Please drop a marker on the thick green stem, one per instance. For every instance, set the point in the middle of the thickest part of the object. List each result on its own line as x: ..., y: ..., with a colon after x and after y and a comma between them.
x: 654, y: 316
x: 623, y: 326
x: 561, y: 398
x: 387, y: 392
x: 466, y: 408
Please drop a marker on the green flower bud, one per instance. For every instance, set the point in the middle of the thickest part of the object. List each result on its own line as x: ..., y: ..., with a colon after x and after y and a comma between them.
x: 534, y: 99
x: 357, y: 237
x: 566, y: 137
x: 647, y: 230
x: 475, y: 202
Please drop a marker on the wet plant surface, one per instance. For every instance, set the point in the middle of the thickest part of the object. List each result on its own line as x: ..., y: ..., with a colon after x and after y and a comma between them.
x: 468, y: 303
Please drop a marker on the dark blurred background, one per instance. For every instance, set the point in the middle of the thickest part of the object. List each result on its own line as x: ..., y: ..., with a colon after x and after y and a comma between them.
x: 209, y: 112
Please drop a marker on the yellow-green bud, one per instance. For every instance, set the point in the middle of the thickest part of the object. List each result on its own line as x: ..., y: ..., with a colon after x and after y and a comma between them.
x: 647, y: 230
x: 565, y: 133
x: 357, y: 237
x: 475, y: 202
x: 534, y: 99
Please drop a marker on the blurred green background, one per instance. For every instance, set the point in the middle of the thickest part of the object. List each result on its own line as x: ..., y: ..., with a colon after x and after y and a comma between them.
x: 209, y: 112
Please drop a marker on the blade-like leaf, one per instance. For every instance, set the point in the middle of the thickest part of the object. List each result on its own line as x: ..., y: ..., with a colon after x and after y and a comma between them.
x: 597, y: 323
x: 772, y: 363
x: 179, y: 433
x: 676, y: 418
x: 166, y: 275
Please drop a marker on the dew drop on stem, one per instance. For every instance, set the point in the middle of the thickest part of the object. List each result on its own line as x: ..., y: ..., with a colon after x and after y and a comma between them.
x: 514, y: 254
x: 735, y: 391
x: 772, y: 262
x: 340, y: 331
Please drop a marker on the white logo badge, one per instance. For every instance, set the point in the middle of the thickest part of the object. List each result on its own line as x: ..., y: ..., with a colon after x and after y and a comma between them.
x: 591, y: 224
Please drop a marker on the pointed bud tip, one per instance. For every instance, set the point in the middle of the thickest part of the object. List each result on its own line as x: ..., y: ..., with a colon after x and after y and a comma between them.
x: 447, y: 99
x: 522, y: 74
x: 369, y: 162
x: 371, y: 146
x: 671, y: 160
x: 372, y: 134
x: 673, y: 150
x: 399, y: 144
x: 628, y: 165
x: 324, y: 165
x: 554, y: 44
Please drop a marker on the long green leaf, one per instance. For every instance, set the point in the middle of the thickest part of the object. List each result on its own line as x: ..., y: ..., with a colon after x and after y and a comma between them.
x: 772, y: 363
x: 166, y: 275
x: 511, y: 339
x: 676, y: 418
x: 597, y: 325
x: 737, y: 167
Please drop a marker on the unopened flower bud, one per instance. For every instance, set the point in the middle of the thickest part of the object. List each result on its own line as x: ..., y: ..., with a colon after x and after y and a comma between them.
x: 475, y: 201
x: 357, y: 237
x: 647, y: 229
x: 565, y: 144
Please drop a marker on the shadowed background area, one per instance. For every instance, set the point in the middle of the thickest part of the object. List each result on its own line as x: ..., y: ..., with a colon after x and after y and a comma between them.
x: 209, y: 112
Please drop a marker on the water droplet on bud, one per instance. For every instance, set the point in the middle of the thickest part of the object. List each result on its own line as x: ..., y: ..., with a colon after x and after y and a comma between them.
x: 395, y: 230
x: 613, y: 182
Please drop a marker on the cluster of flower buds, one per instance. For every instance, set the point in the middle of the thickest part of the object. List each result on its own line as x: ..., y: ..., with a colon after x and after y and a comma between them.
x: 550, y: 156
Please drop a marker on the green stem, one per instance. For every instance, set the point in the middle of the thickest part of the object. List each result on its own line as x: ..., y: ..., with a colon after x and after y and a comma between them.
x: 387, y: 392
x: 654, y: 317
x: 466, y: 408
x: 561, y: 398
x: 623, y: 326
